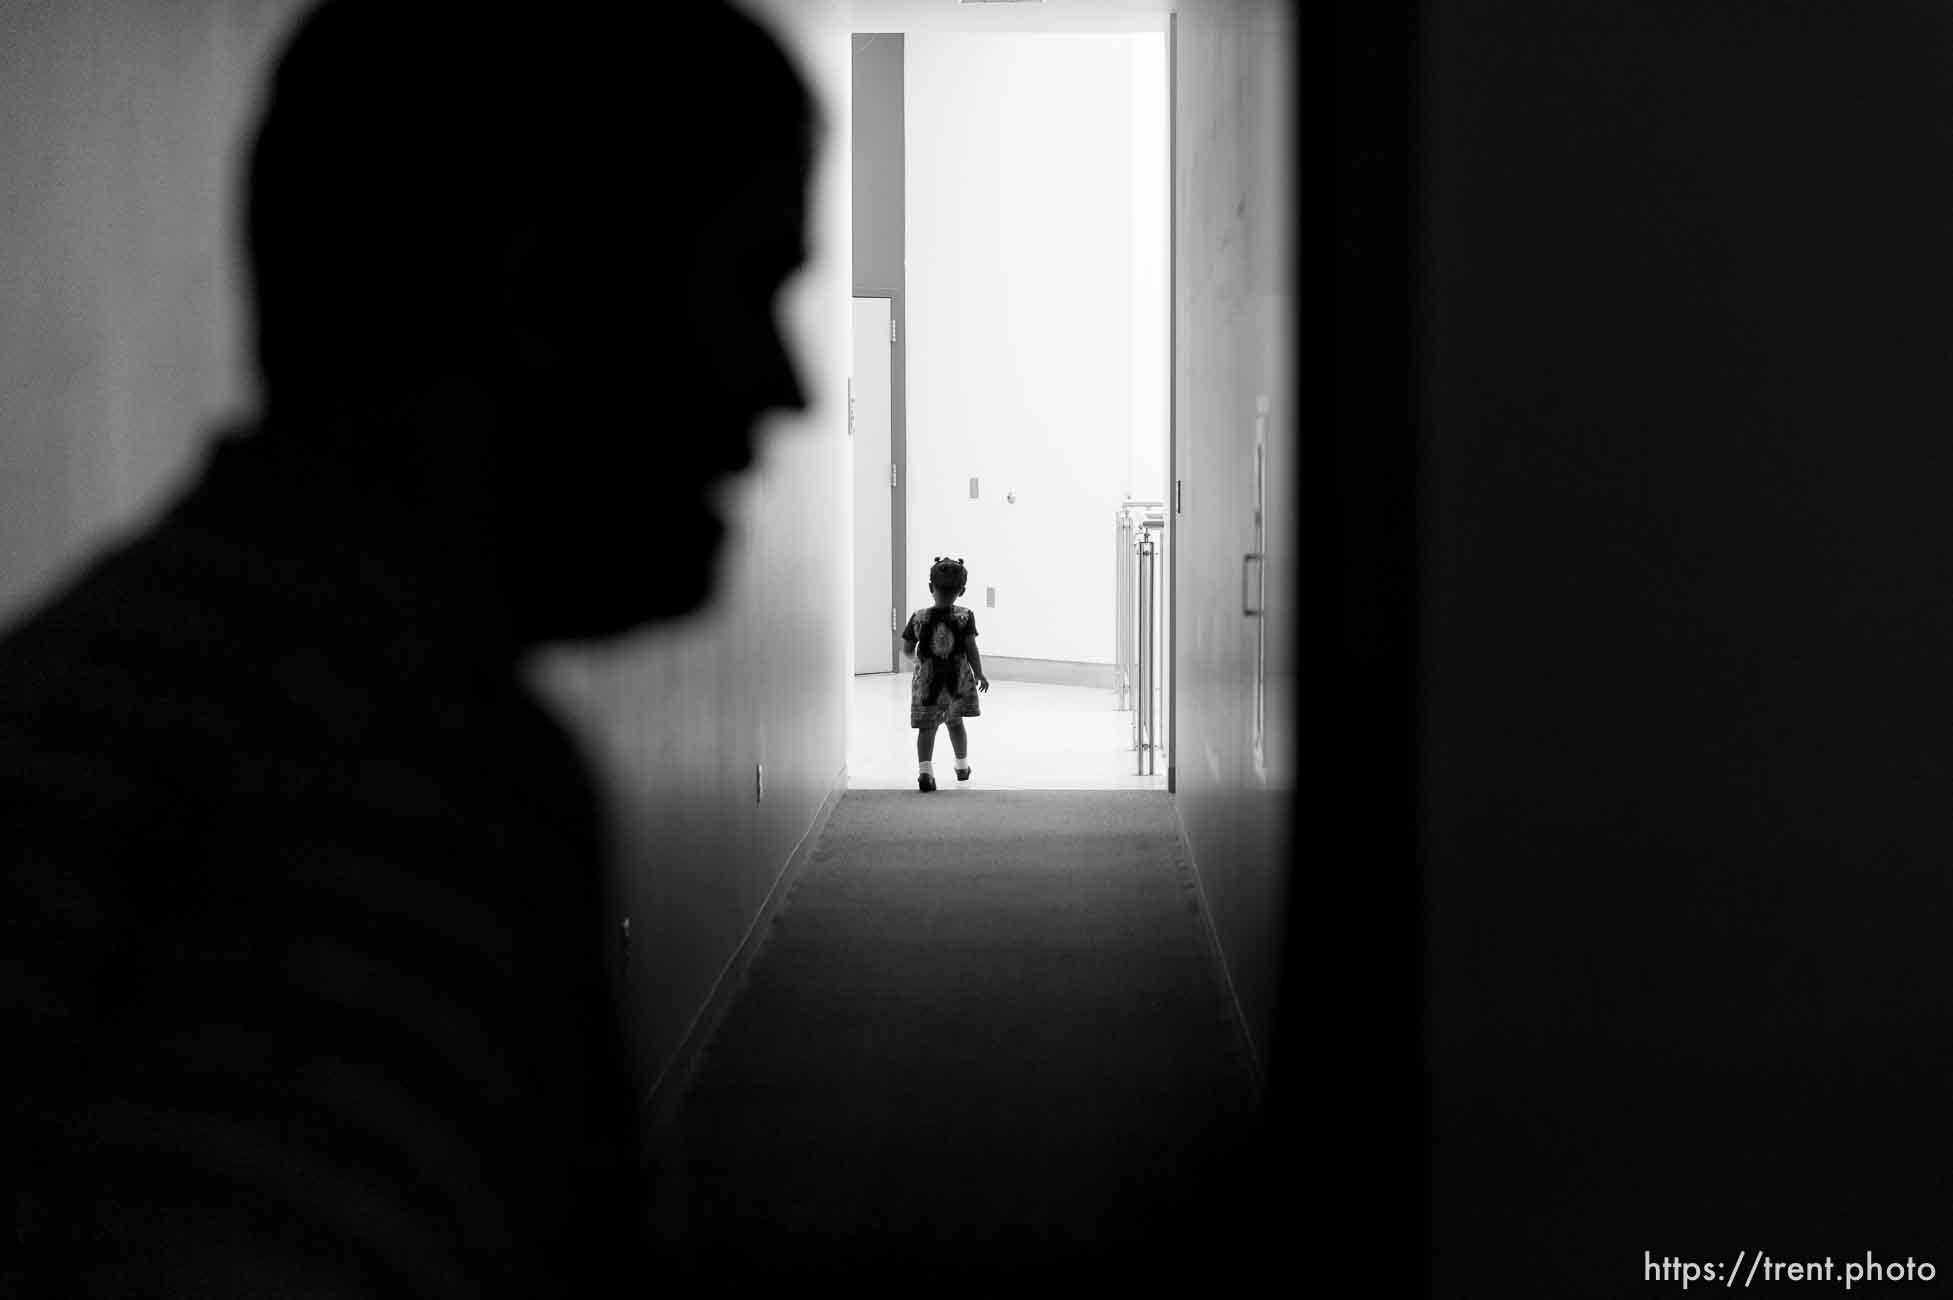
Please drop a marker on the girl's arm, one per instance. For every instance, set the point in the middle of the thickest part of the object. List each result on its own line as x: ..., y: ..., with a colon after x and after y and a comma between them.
x: 976, y: 665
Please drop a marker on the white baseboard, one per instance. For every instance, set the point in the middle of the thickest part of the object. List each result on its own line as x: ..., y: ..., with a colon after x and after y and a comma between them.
x: 1219, y: 955
x: 1052, y: 672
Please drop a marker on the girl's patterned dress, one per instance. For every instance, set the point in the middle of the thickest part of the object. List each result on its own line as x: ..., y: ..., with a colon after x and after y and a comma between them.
x: 944, y: 686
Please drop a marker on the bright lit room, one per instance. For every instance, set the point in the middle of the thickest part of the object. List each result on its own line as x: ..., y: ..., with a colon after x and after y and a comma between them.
x: 1008, y: 406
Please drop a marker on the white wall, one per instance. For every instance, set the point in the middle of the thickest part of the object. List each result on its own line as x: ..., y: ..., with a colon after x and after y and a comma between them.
x: 123, y: 335
x: 1235, y: 251
x: 1151, y: 255
x: 1037, y: 320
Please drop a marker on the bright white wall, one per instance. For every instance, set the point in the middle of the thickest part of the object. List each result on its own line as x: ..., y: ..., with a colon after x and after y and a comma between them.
x: 1036, y: 174
x: 1236, y: 254
x: 123, y: 333
x: 1151, y: 255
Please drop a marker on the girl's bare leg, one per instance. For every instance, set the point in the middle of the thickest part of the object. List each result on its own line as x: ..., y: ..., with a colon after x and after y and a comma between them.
x: 925, y: 742
x: 959, y: 739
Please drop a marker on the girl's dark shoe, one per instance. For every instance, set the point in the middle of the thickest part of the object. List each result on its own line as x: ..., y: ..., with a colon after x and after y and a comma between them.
x: 962, y: 773
x: 925, y: 782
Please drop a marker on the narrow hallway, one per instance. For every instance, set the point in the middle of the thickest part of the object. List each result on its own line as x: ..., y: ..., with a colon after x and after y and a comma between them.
x: 984, y: 1038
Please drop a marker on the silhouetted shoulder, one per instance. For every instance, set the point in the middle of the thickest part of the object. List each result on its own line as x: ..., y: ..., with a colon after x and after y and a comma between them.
x: 283, y: 840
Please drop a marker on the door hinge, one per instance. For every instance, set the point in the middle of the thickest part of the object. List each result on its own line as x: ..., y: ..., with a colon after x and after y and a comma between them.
x: 891, y: 618
x: 891, y: 329
x: 851, y: 408
x: 893, y: 481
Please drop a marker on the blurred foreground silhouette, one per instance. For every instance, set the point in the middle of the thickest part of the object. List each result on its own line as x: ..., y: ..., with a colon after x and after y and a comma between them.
x: 304, y: 988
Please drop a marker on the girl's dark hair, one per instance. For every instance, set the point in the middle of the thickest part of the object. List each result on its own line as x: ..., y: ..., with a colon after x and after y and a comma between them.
x: 948, y: 574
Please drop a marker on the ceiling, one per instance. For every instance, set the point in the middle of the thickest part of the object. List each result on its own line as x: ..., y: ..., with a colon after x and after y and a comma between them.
x: 1050, y: 16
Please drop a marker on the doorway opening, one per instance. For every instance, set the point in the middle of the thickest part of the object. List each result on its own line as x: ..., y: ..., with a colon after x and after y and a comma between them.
x: 1011, y: 214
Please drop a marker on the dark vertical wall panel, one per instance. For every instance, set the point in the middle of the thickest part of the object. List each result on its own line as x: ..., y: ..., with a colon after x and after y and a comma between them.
x: 880, y: 241
x: 1233, y: 357
x: 1353, y: 997
x: 877, y: 178
x: 1689, y: 627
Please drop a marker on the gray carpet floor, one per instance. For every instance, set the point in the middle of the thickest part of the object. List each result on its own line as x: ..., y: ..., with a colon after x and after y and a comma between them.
x: 984, y: 1041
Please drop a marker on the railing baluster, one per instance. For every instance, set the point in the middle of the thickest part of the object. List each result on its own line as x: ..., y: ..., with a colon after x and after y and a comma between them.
x: 1144, y: 736
x: 1138, y: 530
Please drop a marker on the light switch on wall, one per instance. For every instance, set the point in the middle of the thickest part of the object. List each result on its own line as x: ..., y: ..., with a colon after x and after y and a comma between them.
x: 990, y: 597
x: 973, y: 489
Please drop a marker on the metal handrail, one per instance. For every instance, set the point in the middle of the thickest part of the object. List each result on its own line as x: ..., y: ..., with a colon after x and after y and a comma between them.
x: 1139, y: 532
x: 1146, y: 716
x: 1122, y: 623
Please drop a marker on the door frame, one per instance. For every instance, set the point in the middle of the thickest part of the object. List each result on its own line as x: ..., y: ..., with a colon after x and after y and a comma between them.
x: 1173, y: 488
x: 898, y: 450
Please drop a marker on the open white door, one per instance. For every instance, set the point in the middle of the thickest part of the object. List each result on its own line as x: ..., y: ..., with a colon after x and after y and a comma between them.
x: 870, y: 421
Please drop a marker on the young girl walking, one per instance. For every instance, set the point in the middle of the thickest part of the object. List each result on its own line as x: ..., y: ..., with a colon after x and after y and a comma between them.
x: 941, y: 639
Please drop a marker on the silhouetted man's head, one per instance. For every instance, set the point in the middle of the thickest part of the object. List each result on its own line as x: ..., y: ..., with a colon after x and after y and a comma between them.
x: 520, y: 263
